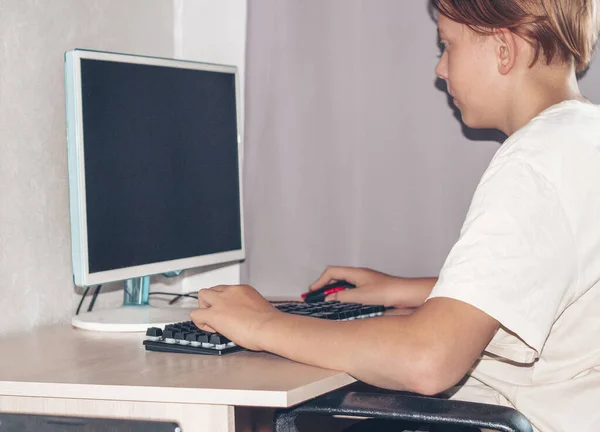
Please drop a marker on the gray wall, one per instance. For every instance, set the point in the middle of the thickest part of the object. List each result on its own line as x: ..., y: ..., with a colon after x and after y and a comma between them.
x: 35, y: 268
x: 353, y: 154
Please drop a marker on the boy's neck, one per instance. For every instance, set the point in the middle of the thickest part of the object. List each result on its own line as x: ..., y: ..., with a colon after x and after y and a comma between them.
x: 537, y: 91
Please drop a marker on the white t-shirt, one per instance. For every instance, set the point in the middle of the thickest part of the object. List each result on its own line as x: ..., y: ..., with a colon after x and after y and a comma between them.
x: 529, y: 256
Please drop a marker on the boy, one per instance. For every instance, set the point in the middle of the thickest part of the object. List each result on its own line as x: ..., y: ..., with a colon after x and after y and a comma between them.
x: 516, y: 308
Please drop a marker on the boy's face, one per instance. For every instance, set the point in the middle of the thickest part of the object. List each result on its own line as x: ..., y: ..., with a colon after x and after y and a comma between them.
x: 469, y: 67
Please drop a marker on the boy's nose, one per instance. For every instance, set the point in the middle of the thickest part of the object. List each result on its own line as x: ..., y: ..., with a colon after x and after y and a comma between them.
x: 441, y: 71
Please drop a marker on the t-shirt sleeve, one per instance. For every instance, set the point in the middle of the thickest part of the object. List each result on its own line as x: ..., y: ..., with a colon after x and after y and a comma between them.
x: 515, y: 259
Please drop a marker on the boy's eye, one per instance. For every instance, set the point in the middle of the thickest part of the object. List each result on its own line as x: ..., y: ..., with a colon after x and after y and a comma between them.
x: 443, y: 48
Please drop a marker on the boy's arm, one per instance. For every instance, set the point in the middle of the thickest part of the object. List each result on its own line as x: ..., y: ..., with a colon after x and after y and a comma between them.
x: 400, y: 292
x: 373, y: 287
x: 414, y: 292
x: 426, y: 352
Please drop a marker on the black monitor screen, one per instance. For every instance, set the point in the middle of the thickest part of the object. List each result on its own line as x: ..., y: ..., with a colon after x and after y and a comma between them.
x: 161, y: 163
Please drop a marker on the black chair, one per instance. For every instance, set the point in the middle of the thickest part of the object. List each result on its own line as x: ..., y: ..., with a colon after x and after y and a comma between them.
x: 405, y: 408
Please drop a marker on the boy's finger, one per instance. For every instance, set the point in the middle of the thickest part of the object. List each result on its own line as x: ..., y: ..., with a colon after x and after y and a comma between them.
x: 200, y: 317
x: 206, y: 328
x: 207, y: 296
x: 330, y: 275
x: 363, y: 296
x: 321, y: 282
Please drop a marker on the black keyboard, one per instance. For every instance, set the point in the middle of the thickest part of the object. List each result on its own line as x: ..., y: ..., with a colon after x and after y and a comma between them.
x: 185, y: 337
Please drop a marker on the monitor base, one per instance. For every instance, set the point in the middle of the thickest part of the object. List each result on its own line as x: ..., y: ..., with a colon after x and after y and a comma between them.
x: 130, y: 318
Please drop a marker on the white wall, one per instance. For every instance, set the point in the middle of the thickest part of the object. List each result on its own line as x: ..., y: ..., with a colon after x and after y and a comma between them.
x: 213, y: 32
x: 35, y: 267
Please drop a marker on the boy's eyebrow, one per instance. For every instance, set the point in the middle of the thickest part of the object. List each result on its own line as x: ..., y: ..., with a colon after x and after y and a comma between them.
x: 441, y: 31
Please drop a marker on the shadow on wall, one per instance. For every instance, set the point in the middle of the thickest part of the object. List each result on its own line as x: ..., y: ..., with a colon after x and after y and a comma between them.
x: 583, y: 73
x: 470, y: 133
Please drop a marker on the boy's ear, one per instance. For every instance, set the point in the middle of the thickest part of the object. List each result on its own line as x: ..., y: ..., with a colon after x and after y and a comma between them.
x: 506, y: 50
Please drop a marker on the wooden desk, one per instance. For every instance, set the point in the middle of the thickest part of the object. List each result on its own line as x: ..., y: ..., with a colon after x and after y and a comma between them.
x: 64, y: 371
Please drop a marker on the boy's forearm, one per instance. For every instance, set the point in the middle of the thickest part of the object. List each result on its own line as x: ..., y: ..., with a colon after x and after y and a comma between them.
x: 363, y: 348
x: 412, y: 292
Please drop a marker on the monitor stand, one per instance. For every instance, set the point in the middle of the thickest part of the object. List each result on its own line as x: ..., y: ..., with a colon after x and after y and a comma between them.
x: 136, y: 314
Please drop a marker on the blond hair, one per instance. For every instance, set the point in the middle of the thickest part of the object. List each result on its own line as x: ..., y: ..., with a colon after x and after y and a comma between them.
x: 566, y: 30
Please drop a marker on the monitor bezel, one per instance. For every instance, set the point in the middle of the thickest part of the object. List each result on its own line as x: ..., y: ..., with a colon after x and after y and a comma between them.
x: 77, y: 190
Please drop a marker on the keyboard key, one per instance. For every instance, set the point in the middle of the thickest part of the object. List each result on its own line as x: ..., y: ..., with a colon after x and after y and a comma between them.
x: 218, y: 339
x: 179, y: 335
x: 154, y: 332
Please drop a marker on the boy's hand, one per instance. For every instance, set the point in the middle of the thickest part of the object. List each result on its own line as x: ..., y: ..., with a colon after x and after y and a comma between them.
x: 372, y: 287
x: 238, y: 312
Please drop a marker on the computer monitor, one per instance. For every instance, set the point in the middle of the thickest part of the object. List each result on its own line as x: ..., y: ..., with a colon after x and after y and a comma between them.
x: 154, y: 155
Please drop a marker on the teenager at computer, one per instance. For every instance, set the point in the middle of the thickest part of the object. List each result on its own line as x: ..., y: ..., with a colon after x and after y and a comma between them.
x: 516, y: 307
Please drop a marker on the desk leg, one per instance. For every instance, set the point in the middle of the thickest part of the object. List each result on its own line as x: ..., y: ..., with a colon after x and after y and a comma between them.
x: 191, y: 417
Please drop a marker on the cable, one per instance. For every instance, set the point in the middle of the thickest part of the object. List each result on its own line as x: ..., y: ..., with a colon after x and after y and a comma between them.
x: 175, y: 299
x: 177, y: 296
x: 190, y: 294
x: 82, y: 298
x: 97, y: 291
x: 91, y: 306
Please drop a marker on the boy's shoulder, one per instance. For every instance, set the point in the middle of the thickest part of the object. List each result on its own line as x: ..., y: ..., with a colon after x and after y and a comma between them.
x: 569, y: 129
